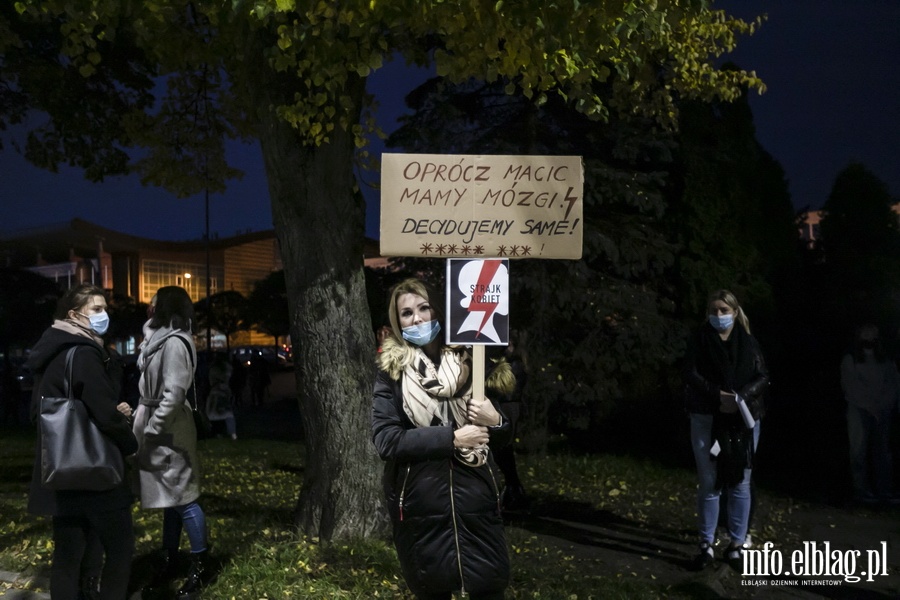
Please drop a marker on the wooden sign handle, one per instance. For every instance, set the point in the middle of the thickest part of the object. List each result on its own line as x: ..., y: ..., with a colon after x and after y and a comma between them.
x: 478, y: 372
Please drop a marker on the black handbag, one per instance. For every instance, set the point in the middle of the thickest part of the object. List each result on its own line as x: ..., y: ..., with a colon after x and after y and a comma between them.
x: 75, y: 454
x: 201, y: 421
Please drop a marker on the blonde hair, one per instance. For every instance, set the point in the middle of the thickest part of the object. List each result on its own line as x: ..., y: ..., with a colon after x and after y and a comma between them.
x: 731, y: 300
x: 411, y: 286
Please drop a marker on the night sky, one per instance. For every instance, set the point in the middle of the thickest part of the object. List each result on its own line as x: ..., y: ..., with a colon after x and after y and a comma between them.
x: 833, y: 97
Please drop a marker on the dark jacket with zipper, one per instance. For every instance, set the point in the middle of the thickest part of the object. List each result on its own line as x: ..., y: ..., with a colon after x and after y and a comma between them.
x: 447, y: 526
x: 92, y: 385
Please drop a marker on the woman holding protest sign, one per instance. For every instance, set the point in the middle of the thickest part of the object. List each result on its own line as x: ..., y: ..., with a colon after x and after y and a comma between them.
x: 726, y: 378
x: 440, y: 480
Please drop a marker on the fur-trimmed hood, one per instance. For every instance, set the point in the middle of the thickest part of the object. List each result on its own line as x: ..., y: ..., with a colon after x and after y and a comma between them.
x: 396, y: 356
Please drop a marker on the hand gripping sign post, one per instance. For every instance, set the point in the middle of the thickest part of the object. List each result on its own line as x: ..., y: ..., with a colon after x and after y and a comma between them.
x: 470, y: 209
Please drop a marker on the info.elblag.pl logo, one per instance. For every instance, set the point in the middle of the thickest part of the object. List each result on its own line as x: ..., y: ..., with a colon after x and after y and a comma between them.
x: 816, y: 559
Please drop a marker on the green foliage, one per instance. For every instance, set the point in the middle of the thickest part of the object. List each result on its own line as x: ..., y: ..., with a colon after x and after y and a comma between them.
x: 87, y: 84
x: 107, y: 53
x: 225, y: 312
x: 593, y: 327
x: 267, y: 306
x: 730, y: 211
x: 860, y: 242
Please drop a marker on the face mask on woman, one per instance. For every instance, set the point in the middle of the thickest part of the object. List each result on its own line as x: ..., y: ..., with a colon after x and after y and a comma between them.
x: 721, y: 323
x: 99, y: 322
x: 422, y: 334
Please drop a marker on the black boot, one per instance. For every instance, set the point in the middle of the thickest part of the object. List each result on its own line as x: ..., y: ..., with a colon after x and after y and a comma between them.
x: 197, y: 577
x: 167, y: 571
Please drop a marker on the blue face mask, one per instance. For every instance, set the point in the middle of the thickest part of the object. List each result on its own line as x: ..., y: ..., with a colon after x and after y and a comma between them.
x: 99, y: 322
x: 722, y: 323
x: 422, y: 334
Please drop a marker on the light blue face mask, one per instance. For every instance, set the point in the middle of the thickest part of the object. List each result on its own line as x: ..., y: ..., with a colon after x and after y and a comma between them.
x: 721, y: 323
x: 99, y: 322
x: 422, y: 334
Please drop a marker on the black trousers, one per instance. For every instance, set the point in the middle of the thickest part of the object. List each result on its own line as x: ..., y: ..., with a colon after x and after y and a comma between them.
x: 71, y: 538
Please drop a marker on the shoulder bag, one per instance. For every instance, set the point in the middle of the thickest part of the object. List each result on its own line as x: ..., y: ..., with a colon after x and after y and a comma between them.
x: 75, y: 454
x: 201, y: 421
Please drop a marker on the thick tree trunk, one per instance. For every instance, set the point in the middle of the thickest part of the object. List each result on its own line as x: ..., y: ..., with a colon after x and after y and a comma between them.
x: 319, y: 222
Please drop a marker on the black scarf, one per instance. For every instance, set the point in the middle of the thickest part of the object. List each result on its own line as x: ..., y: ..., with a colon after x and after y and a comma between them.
x: 730, y: 363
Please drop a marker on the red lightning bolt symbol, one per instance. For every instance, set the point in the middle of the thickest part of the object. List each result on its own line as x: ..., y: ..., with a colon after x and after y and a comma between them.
x: 488, y: 269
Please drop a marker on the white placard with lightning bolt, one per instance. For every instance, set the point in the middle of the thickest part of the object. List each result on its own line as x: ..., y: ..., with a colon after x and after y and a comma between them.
x: 478, y: 302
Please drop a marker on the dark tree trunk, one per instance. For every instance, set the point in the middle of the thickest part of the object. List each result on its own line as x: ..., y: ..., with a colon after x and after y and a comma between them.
x: 319, y: 222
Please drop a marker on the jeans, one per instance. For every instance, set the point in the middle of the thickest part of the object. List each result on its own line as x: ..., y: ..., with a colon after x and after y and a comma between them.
x: 866, y: 431
x: 194, y: 521
x: 71, y: 538
x: 737, y: 497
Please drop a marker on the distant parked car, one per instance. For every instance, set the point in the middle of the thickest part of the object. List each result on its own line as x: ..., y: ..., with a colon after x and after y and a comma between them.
x: 245, y: 354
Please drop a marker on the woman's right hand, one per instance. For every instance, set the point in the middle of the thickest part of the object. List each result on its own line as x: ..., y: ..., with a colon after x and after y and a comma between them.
x: 470, y: 436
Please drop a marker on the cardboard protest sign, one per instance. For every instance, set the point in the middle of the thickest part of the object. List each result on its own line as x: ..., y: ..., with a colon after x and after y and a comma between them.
x: 481, y: 206
x: 478, y: 302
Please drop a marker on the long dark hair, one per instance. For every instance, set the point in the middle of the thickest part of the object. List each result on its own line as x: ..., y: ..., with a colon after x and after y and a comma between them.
x: 75, y: 298
x: 173, y: 308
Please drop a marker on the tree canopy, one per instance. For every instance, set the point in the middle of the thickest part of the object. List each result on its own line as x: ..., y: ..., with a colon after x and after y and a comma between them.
x: 267, y: 306
x: 177, y: 78
x: 860, y: 243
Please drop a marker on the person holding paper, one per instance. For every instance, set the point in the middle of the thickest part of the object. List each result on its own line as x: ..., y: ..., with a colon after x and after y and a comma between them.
x: 440, y: 479
x: 725, y: 381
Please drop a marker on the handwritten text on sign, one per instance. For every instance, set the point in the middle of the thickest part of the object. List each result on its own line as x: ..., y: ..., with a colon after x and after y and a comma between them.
x: 480, y: 206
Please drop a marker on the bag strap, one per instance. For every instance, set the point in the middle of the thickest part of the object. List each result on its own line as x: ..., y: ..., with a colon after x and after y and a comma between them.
x: 67, y: 382
x: 193, y: 404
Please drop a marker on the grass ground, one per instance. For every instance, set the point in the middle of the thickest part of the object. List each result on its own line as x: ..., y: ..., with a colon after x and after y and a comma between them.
x: 601, y: 526
x: 249, y: 490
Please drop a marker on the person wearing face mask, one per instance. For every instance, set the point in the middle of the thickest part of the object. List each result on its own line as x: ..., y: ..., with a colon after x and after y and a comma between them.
x: 167, y: 459
x: 440, y: 479
x: 871, y: 387
x: 724, y: 367
x: 86, y: 524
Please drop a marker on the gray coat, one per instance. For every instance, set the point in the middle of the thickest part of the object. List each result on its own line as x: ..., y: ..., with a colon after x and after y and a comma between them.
x: 163, y: 423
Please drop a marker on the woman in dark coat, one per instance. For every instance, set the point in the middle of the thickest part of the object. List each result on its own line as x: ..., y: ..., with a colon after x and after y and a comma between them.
x: 440, y: 480
x: 724, y: 369
x: 80, y: 517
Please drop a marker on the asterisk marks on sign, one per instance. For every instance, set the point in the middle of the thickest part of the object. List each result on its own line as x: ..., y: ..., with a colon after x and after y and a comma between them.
x: 451, y: 249
x: 479, y: 250
x: 466, y: 250
x: 426, y: 248
x: 526, y: 250
x: 501, y: 251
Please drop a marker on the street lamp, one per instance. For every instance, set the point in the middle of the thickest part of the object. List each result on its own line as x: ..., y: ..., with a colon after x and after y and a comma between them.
x: 208, y: 281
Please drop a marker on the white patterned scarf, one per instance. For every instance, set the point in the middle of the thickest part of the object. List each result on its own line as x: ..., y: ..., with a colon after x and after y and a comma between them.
x: 440, y: 394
